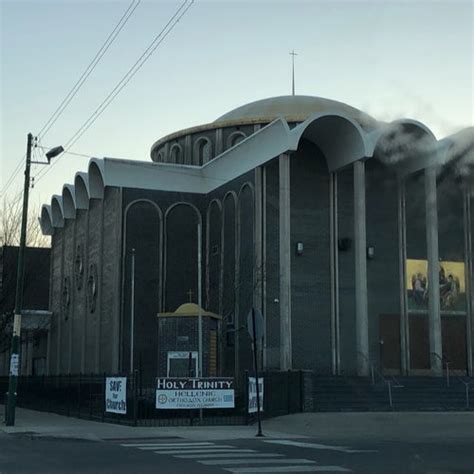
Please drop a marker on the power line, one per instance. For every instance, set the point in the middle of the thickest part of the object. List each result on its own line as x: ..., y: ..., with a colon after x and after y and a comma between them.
x: 13, y: 175
x: 71, y: 94
x: 159, y: 38
x: 131, y: 72
x: 102, y: 50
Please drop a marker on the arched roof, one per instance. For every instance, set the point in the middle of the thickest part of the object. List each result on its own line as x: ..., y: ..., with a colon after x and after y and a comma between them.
x: 294, y: 108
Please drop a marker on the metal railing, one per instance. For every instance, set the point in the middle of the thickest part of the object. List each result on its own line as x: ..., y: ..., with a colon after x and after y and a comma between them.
x: 392, y: 382
x: 446, y: 363
x: 467, y: 384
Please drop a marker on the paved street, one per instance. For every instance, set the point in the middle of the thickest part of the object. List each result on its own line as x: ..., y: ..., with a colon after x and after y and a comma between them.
x: 378, y: 443
x: 26, y: 453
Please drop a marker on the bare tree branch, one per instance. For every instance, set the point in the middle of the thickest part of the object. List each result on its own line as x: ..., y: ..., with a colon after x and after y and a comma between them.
x: 10, y: 224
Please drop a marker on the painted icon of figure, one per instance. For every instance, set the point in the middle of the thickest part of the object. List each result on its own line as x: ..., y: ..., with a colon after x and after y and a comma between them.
x: 418, y: 282
x: 449, y: 292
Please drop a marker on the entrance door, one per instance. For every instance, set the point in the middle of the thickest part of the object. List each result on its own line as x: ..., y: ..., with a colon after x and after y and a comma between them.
x: 389, y: 342
x: 419, y: 343
x: 454, y: 341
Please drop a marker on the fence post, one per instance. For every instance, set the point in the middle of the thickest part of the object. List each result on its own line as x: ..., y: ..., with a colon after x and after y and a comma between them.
x: 135, y: 397
x: 246, y: 397
x: 90, y: 396
x: 104, y: 379
x: 69, y: 395
x: 79, y: 395
x: 288, y: 392
x: 390, y: 394
x: 301, y: 392
x: 447, y: 374
x: 467, y: 395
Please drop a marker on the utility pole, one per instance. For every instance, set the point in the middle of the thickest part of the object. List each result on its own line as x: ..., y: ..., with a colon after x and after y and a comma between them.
x: 20, y: 277
x: 15, y: 352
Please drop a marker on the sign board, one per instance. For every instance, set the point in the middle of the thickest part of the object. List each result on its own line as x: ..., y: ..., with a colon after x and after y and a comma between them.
x: 259, y: 324
x: 195, y: 393
x: 253, y: 394
x: 181, y: 364
x: 116, y: 395
x: 14, y: 364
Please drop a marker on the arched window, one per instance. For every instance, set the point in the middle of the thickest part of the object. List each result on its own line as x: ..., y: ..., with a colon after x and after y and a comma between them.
x: 176, y: 154
x: 202, y: 151
x: 235, y: 138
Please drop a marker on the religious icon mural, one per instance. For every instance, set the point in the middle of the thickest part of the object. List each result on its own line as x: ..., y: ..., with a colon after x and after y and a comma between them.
x: 451, y: 286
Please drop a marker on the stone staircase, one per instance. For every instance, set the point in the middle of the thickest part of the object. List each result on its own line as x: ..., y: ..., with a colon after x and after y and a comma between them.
x: 345, y: 393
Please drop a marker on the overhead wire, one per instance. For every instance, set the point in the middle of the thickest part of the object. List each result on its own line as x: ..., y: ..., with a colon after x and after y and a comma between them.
x: 159, y: 38
x: 92, y: 65
x: 79, y: 83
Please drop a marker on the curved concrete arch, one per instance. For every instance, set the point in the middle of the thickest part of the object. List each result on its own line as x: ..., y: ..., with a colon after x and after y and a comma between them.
x: 341, y: 139
x: 165, y: 238
x: 231, y: 138
x: 147, y: 201
x: 175, y: 157
x: 46, y: 220
x: 457, y: 151
x: 197, y: 158
x: 81, y: 185
x: 57, y: 212
x: 96, y: 179
x: 69, y: 201
x: 406, y: 144
x: 184, y: 203
x: 245, y: 185
x: 228, y: 194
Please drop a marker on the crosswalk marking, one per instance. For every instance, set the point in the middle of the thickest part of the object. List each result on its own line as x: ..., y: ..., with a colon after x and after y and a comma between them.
x: 342, y: 449
x: 138, y: 445
x: 184, y: 448
x: 202, y: 451
x: 258, y: 470
x: 211, y: 454
x: 220, y: 462
x: 230, y: 454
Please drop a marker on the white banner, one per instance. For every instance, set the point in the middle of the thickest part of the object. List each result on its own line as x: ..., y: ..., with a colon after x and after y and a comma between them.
x: 14, y: 364
x: 253, y: 394
x: 116, y: 395
x: 189, y: 394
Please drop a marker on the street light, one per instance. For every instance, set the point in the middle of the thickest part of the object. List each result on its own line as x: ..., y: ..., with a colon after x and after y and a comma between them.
x: 15, y: 352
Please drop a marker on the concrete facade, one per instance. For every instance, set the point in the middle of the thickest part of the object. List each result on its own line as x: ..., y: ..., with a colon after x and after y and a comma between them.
x: 308, y: 212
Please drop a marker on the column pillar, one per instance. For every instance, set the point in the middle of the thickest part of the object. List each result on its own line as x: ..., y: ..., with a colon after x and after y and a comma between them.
x: 258, y: 274
x: 402, y: 258
x: 285, y: 263
x: 360, y: 248
x: 468, y: 278
x: 259, y: 255
x: 334, y: 267
x: 434, y: 309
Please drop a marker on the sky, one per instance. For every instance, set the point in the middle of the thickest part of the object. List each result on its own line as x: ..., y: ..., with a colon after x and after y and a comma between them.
x: 391, y: 59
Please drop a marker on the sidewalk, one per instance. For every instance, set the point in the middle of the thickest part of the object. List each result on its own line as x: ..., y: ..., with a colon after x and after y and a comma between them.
x: 37, y: 423
x: 404, y: 426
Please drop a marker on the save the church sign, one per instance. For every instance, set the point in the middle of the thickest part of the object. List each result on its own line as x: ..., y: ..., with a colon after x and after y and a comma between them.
x: 116, y: 395
x: 189, y: 394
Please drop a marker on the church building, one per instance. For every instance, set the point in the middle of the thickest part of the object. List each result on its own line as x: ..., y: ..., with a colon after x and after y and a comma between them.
x: 352, y: 236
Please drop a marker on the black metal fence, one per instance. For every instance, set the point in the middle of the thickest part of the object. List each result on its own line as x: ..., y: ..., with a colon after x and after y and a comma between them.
x: 83, y: 396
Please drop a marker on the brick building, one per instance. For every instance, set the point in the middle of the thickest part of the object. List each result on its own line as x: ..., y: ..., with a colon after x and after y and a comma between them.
x: 36, y: 317
x: 353, y: 236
